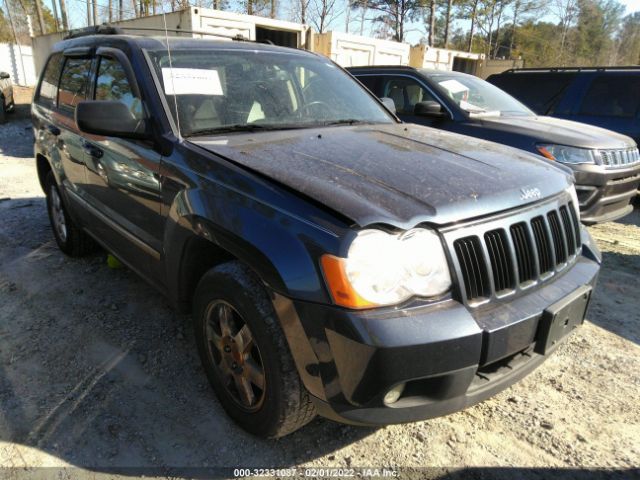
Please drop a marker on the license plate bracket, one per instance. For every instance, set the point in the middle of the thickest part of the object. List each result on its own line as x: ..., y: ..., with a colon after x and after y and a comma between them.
x: 561, y: 318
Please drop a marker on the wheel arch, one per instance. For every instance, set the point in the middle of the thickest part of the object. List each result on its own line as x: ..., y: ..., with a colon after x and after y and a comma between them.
x: 282, y: 255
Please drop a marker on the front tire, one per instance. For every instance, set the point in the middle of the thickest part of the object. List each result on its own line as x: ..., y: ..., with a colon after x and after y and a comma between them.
x: 245, y: 354
x: 70, y: 238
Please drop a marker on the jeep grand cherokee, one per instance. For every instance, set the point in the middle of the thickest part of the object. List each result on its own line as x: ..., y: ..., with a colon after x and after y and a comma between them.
x: 335, y: 260
x: 606, y: 165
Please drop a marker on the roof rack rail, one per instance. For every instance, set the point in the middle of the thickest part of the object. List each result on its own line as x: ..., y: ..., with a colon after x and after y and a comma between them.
x: 238, y: 36
x: 571, y: 69
x: 104, y: 29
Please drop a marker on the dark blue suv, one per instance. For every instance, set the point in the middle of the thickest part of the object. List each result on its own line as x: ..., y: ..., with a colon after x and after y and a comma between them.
x: 334, y: 260
x: 606, y: 164
x: 606, y: 97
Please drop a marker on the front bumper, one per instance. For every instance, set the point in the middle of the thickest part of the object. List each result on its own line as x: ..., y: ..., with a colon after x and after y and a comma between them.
x: 605, y: 194
x: 449, y: 356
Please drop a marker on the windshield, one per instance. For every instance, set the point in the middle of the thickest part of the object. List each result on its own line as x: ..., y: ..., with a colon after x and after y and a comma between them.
x: 220, y: 91
x: 479, y: 97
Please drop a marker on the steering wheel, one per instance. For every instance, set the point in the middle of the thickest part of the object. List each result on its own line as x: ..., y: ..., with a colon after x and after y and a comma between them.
x: 320, y: 106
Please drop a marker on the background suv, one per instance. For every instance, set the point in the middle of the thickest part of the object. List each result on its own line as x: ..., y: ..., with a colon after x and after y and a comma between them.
x: 608, y: 97
x: 335, y: 260
x: 606, y: 165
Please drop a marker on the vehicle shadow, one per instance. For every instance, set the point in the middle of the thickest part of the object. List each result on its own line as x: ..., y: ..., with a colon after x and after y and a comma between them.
x: 615, y: 305
x: 97, y: 372
x: 16, y: 135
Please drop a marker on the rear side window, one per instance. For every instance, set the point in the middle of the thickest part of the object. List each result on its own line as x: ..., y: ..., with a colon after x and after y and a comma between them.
x: 612, y: 96
x: 49, y: 86
x: 112, y: 84
x: 540, y: 92
x: 74, y: 82
x: 368, y: 81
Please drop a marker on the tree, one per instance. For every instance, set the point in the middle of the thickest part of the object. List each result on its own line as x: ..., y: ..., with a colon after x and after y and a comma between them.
x: 597, y: 22
x: 20, y: 10
x: 323, y: 13
x: 395, y: 14
x: 6, y: 36
x: 63, y: 14
x: 432, y: 23
x: 447, y: 23
x: 522, y: 9
x: 566, y: 11
x: 628, y: 41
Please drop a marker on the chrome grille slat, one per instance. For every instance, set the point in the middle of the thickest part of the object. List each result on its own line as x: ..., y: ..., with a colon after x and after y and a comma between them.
x: 523, y: 252
x: 568, y: 229
x: 559, y: 245
x: 543, y: 245
x: 503, y: 257
x: 619, y: 158
x: 500, y: 261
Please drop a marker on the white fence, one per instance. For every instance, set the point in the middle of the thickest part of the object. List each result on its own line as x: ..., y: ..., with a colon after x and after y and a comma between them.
x: 17, y: 60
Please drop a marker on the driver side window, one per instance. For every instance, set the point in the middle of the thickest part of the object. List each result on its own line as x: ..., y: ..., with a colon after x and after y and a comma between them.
x: 405, y: 93
x: 112, y: 84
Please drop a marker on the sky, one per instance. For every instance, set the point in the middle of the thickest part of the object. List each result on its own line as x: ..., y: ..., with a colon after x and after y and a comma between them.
x: 77, y: 14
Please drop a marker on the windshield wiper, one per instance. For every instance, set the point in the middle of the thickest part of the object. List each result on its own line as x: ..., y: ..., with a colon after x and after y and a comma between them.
x: 245, y: 127
x: 347, y: 121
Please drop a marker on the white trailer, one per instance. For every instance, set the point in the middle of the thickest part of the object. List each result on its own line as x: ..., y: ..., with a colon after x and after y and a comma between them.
x: 353, y: 50
x: 423, y: 56
x: 198, y: 22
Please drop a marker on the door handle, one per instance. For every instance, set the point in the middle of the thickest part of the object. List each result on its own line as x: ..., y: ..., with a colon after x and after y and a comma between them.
x: 53, y: 130
x: 93, y: 151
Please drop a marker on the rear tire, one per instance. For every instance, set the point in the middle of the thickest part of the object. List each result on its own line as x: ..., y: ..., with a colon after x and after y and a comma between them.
x: 275, y: 402
x: 70, y: 238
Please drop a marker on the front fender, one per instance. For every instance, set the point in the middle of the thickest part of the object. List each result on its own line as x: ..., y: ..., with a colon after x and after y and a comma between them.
x: 281, y: 247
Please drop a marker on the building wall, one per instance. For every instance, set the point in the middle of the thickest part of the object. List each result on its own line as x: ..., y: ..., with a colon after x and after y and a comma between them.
x: 17, y: 61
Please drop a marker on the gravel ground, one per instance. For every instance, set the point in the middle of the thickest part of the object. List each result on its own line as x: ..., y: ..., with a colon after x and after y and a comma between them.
x: 97, y: 373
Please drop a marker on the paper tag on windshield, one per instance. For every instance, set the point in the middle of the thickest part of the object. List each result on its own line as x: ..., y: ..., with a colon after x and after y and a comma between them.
x: 453, y: 86
x: 191, y: 81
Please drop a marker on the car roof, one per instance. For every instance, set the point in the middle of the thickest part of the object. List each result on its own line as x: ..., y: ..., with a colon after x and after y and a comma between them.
x: 423, y: 71
x: 176, y: 43
x: 569, y: 70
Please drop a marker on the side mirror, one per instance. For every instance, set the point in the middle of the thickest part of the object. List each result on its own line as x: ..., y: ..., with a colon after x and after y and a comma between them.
x: 389, y: 103
x: 4, y: 75
x: 110, y: 119
x: 428, y: 109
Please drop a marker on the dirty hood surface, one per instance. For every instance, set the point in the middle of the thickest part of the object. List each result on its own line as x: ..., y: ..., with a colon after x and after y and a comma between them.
x: 395, y: 174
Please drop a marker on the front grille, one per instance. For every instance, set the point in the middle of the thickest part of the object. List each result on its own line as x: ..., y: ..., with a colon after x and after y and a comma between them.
x: 524, y: 252
x: 498, y: 249
x: 476, y: 279
x: 619, y: 158
x: 543, y: 245
x: 494, y: 262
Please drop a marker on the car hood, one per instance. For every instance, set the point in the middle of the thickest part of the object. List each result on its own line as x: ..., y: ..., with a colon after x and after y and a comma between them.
x: 559, y: 131
x: 399, y: 175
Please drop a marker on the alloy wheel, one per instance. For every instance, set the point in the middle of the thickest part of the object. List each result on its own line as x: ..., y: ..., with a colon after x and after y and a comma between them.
x: 57, y: 214
x: 235, y: 354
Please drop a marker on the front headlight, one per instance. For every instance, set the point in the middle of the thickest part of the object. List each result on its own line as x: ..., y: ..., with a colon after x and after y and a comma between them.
x: 564, y: 154
x: 385, y: 269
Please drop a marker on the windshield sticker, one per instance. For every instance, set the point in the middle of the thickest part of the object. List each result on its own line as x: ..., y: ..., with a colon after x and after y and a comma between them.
x: 453, y: 86
x: 191, y: 81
